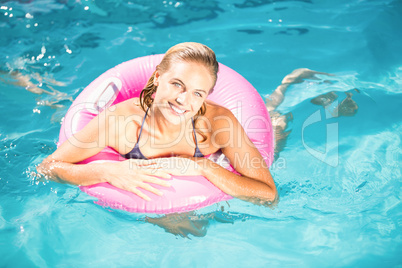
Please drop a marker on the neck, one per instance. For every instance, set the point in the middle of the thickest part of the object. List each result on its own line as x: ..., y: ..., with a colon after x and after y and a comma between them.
x: 161, y: 127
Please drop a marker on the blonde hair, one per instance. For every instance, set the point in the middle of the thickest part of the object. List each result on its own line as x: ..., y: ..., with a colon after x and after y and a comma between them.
x: 187, y: 52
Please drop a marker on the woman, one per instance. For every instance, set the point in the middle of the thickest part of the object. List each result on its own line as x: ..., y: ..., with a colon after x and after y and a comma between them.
x: 170, y: 125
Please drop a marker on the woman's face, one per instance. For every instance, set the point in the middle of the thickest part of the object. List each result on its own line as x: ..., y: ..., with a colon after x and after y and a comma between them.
x: 182, y: 90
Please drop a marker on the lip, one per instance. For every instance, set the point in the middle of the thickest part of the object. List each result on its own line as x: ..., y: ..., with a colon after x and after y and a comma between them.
x: 173, y: 111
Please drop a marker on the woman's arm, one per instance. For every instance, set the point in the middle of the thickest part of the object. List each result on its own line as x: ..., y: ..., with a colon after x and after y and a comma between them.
x: 60, y: 167
x: 255, y: 183
x: 257, y: 188
x: 96, y: 135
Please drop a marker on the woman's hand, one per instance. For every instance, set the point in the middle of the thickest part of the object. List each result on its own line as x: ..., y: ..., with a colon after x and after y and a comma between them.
x: 133, y: 174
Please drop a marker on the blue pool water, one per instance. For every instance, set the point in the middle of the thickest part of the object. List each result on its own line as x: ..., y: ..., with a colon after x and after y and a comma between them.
x: 339, y: 176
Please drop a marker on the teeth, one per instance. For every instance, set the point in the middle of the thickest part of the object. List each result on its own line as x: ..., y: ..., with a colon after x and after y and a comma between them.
x: 177, y: 110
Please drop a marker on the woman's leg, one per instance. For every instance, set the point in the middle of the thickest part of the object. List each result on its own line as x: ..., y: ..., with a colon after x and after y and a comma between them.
x: 280, y: 121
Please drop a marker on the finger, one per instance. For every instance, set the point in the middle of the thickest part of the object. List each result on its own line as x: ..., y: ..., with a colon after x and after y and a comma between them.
x: 151, y: 189
x: 140, y: 194
x: 166, y: 163
x: 152, y: 166
x: 146, y: 162
x: 154, y: 180
x: 133, y: 190
x: 158, y: 173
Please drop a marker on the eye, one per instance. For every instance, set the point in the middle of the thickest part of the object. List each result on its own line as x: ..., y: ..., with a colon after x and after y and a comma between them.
x: 198, y: 94
x: 177, y: 85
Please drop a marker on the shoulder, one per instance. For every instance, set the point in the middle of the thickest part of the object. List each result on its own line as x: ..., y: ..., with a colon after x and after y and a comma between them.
x: 128, y: 108
x: 125, y: 112
x: 218, y: 115
x: 222, y: 124
x: 215, y: 110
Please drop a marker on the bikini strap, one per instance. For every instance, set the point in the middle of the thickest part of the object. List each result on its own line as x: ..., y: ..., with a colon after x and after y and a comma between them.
x: 143, y: 120
x: 195, y: 136
x: 197, y: 150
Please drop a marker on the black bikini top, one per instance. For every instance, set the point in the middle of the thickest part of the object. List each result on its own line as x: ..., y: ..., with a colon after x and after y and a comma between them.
x: 135, y: 153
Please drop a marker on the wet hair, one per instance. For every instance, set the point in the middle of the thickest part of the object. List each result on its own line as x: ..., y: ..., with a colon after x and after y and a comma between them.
x: 183, y: 52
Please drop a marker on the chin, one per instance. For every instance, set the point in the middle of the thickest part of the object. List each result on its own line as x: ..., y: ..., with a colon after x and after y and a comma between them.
x: 174, y: 119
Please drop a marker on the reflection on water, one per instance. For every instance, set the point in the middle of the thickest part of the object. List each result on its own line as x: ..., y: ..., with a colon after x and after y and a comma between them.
x: 347, y: 107
x: 257, y: 3
x: 280, y: 121
x: 36, y: 83
x: 190, y: 223
x: 293, y: 31
x: 325, y: 99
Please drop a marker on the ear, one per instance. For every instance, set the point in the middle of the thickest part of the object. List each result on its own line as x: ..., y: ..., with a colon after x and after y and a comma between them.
x: 156, y: 78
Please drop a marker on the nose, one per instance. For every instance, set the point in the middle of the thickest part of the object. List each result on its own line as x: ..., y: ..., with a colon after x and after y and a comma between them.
x: 182, y: 98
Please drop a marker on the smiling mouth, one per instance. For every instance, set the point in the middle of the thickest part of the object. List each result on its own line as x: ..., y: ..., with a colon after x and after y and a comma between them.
x: 177, y: 110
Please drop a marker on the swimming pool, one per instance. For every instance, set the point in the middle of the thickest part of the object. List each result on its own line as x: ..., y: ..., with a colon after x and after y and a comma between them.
x: 339, y: 175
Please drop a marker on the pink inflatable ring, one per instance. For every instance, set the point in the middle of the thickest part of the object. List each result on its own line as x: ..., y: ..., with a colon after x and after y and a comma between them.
x: 187, y: 192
